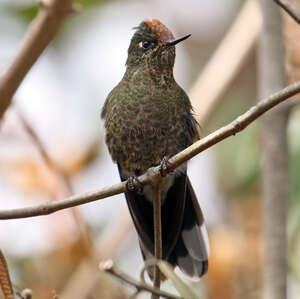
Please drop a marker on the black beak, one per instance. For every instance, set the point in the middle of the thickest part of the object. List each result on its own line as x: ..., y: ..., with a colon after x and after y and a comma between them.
x: 176, y: 41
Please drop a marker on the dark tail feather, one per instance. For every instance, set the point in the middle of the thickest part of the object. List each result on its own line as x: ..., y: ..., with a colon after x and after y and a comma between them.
x: 183, y: 231
x: 191, y: 250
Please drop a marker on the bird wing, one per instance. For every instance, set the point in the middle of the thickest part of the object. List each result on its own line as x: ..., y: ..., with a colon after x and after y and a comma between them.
x: 172, y: 210
x: 192, y: 249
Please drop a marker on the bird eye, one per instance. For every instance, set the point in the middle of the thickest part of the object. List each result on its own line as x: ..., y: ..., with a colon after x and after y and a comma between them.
x: 146, y: 44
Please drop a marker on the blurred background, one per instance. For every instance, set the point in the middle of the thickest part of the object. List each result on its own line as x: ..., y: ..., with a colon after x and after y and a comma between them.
x: 52, y: 145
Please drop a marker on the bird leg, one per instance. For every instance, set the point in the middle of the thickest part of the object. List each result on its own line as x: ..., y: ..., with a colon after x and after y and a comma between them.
x: 164, y: 166
x: 131, y: 183
x: 157, y: 236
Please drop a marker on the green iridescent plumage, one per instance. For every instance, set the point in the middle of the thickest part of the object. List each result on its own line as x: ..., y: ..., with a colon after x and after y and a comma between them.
x: 147, y: 115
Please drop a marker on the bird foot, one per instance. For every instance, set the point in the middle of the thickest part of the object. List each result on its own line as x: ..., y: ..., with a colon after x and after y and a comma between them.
x: 164, y: 164
x: 132, y: 181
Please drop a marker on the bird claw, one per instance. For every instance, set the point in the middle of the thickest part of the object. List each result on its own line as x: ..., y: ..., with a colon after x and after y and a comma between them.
x: 131, y: 184
x: 163, y: 169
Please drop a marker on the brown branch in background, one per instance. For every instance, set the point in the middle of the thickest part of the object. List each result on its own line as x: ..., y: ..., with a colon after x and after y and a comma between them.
x: 289, y: 9
x: 231, y: 54
x: 109, y: 267
x: 58, y: 172
x: 274, y: 162
x: 41, y: 32
x: 157, y: 235
x: 232, y: 128
x: 5, y: 281
x: 69, y: 202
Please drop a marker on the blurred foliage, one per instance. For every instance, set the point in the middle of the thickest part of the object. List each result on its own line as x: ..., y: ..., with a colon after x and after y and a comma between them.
x: 239, y: 156
x: 294, y: 212
x: 294, y: 141
x: 28, y: 12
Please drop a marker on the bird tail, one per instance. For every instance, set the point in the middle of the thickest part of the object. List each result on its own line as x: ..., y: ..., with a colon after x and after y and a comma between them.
x: 191, y: 251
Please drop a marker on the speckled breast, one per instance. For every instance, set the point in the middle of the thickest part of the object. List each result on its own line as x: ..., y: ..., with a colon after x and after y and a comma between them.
x: 139, y: 136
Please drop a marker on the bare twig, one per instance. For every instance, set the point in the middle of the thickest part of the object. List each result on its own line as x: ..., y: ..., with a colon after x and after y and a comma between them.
x: 289, y: 9
x: 157, y: 236
x: 275, y: 170
x: 42, y: 30
x: 231, y: 54
x: 5, y: 282
x: 232, y: 128
x: 25, y: 294
x: 108, y: 266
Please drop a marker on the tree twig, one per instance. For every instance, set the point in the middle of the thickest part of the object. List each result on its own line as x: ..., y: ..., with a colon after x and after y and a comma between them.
x: 157, y: 235
x: 109, y: 267
x: 41, y: 32
x: 25, y: 294
x: 232, y: 128
x: 289, y: 9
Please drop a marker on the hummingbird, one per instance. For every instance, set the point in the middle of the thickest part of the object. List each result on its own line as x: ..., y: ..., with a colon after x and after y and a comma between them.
x: 148, y: 118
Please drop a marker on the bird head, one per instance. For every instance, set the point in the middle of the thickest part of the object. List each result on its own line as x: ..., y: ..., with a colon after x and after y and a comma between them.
x: 153, y: 44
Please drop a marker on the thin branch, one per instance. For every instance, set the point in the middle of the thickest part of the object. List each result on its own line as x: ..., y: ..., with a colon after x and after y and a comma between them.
x: 69, y: 202
x: 232, y: 128
x: 109, y: 267
x: 25, y: 294
x: 289, y: 9
x: 157, y: 235
x: 41, y: 32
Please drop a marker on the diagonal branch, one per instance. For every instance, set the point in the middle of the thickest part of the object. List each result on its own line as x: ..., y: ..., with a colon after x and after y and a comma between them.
x: 232, y: 128
x: 57, y: 171
x: 109, y: 267
x: 41, y: 32
x: 289, y: 9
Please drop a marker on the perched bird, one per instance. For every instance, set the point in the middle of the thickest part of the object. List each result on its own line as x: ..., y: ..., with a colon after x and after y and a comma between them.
x: 148, y: 118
